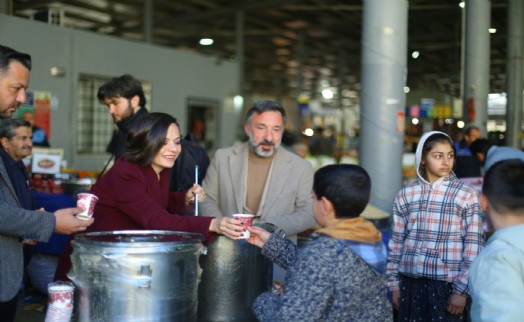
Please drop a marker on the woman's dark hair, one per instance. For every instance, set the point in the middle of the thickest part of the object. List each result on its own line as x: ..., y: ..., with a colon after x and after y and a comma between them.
x: 504, y: 186
x: 125, y: 86
x: 347, y: 186
x: 147, y: 136
x: 429, y: 144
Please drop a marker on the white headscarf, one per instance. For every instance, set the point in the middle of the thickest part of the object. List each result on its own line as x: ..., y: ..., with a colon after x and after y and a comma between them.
x: 418, y: 153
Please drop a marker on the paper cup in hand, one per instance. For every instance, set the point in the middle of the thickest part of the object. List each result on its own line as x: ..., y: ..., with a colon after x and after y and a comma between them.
x: 247, y: 221
x: 88, y: 202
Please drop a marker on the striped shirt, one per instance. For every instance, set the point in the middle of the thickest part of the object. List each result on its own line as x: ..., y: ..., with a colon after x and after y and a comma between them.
x: 436, y: 232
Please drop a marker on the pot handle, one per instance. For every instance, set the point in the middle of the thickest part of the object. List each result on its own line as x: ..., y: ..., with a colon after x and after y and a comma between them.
x: 144, y: 277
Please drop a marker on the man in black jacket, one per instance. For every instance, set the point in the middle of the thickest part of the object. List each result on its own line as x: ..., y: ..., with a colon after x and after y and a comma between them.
x: 126, y: 102
x: 466, y: 165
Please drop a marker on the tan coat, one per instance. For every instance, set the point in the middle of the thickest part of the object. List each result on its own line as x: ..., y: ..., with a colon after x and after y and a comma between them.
x: 286, y: 200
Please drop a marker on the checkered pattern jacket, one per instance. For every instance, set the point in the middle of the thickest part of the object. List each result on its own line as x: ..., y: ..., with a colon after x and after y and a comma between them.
x: 436, y: 232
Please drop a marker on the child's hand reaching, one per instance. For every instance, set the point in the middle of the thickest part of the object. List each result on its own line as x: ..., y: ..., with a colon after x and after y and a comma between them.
x: 258, y: 237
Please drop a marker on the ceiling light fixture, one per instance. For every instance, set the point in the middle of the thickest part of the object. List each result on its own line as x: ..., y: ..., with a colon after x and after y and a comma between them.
x: 308, y: 132
x: 206, y: 41
x: 327, y: 93
x: 492, y: 30
x: 415, y: 54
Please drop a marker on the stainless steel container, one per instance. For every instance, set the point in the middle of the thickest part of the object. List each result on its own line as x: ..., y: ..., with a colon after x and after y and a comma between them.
x: 234, y: 273
x: 136, y: 275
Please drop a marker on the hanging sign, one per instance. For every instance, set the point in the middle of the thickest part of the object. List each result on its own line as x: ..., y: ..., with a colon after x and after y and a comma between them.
x: 401, y: 121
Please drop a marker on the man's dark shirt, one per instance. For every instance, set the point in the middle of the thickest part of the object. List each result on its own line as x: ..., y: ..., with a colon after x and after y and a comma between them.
x: 466, y: 165
x: 117, y: 146
x: 183, y: 172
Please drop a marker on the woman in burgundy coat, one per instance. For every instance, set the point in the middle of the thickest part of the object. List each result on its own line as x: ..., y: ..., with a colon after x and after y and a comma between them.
x: 134, y: 194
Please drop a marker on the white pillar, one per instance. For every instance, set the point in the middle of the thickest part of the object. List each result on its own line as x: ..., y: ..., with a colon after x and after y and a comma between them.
x: 514, y: 74
x: 384, y: 66
x: 477, y: 62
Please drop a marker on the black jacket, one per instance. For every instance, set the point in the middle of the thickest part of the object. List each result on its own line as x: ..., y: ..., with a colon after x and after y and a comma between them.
x: 117, y: 146
x: 183, y: 172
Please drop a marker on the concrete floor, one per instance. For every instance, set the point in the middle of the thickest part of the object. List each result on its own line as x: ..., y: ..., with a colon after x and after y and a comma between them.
x: 23, y: 315
x: 31, y: 306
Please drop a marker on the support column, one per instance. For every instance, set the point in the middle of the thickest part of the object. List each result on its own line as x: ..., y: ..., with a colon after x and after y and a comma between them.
x: 384, y: 66
x: 5, y: 8
x: 148, y: 21
x: 341, y: 134
x: 240, y: 52
x: 477, y: 62
x: 514, y: 74
x: 301, y: 58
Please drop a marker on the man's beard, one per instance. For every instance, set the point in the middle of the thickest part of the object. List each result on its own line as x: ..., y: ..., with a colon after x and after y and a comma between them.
x: 11, y: 109
x: 259, y: 151
x: 127, y: 115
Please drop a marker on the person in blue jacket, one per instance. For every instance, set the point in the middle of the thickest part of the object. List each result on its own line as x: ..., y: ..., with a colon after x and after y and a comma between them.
x: 39, y: 135
x: 489, y: 154
x: 497, y: 274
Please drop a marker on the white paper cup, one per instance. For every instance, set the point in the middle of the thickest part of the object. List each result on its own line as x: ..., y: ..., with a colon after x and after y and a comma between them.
x: 247, y: 221
x: 60, y: 302
x: 88, y: 202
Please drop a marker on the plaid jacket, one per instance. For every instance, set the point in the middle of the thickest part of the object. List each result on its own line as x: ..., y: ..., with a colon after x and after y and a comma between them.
x: 436, y: 232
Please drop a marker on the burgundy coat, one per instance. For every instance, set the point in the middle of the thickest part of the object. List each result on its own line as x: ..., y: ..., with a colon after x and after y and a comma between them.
x: 131, y: 197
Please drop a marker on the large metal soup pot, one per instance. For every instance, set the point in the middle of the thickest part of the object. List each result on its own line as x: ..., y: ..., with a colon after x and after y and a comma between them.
x: 144, y: 275
x: 234, y: 273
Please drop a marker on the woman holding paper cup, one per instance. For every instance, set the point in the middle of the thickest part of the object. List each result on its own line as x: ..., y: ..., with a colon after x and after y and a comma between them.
x: 134, y: 194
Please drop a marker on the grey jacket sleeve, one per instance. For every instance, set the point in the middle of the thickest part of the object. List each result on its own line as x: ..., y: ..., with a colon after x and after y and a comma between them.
x: 26, y: 224
x: 308, y: 291
x: 280, y: 250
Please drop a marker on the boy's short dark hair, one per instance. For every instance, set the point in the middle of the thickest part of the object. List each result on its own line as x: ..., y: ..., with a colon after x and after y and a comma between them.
x: 147, y: 136
x: 504, y: 186
x: 347, y: 186
x: 125, y: 86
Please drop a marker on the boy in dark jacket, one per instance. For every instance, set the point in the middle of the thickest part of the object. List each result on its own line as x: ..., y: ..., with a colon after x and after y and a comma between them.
x: 340, y: 275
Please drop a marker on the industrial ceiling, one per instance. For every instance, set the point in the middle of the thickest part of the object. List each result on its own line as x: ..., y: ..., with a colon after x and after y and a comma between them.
x: 289, y: 43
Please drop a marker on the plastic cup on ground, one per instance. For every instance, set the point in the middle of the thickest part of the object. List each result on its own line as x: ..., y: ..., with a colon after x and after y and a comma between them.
x: 88, y: 202
x: 60, y: 302
x: 247, y: 221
